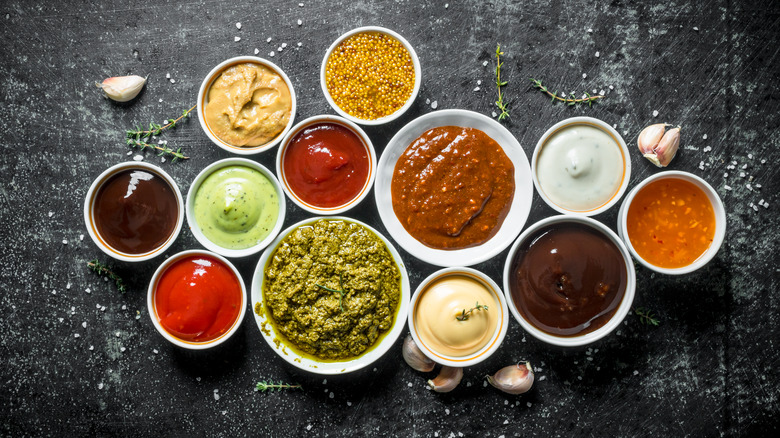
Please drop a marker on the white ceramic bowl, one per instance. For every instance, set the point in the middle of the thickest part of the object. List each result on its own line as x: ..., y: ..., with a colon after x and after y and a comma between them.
x: 397, y: 113
x: 203, y: 94
x: 717, y: 208
x: 495, y: 340
x: 89, y: 204
x: 350, y: 126
x: 518, y: 212
x: 596, y: 123
x: 195, y: 227
x: 153, y: 310
x: 620, y: 313
x: 309, y: 363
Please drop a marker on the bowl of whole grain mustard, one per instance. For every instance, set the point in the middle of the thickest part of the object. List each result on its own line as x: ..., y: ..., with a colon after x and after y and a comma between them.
x: 370, y: 75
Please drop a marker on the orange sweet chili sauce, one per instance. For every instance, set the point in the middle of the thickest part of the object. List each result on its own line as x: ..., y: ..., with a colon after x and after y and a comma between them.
x: 671, y: 223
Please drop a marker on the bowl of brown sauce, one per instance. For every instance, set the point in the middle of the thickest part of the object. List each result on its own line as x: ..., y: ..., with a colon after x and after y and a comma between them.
x: 569, y: 280
x: 134, y: 211
x: 453, y: 188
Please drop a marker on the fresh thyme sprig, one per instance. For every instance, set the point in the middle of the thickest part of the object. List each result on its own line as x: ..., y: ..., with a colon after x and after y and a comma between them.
x: 104, y: 270
x: 340, y: 292
x: 156, y: 129
x: 571, y: 100
x: 646, y: 316
x: 264, y: 386
x: 465, y: 314
x: 163, y: 150
x: 503, y: 106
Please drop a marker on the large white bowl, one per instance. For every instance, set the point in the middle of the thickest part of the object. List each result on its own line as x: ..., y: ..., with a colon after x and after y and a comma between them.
x: 195, y: 227
x: 620, y: 313
x: 717, y: 207
x: 308, y: 363
x: 518, y: 212
x: 399, y: 111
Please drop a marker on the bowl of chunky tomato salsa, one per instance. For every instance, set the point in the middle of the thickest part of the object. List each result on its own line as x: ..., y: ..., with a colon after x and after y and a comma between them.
x: 196, y: 299
x: 453, y: 188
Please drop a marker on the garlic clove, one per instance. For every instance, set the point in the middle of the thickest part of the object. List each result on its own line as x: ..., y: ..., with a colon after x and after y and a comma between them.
x: 414, y: 357
x: 514, y: 379
x: 650, y: 136
x: 666, y: 149
x: 122, y: 88
x: 447, y: 380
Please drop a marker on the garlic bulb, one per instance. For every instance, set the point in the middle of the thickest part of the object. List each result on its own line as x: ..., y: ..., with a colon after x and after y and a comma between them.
x: 122, y: 88
x: 414, y: 357
x: 657, y: 146
x: 447, y: 380
x: 514, y: 379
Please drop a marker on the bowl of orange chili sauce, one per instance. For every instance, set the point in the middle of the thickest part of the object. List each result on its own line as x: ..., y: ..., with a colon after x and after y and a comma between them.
x: 453, y: 188
x: 672, y: 222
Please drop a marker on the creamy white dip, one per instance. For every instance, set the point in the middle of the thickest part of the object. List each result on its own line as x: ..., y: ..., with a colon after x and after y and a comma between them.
x: 580, y: 168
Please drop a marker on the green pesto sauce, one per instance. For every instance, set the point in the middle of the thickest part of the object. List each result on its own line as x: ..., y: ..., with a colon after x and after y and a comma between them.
x: 236, y: 207
x: 342, y: 256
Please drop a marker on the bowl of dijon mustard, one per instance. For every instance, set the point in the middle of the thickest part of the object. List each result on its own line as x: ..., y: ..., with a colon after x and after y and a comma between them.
x: 246, y: 105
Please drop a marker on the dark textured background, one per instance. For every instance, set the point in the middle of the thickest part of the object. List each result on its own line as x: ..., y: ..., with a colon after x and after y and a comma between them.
x: 709, y: 369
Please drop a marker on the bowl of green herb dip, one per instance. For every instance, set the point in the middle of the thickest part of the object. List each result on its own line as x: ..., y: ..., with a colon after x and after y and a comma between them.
x: 330, y: 295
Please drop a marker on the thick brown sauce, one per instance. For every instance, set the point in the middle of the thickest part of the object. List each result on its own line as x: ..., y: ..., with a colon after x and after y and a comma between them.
x: 452, y: 187
x: 568, y: 279
x: 135, y: 211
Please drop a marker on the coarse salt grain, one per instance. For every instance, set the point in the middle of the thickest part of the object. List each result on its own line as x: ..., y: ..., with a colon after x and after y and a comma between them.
x: 725, y: 175
x: 584, y: 75
x: 279, y: 49
x: 741, y: 174
x: 476, y: 88
x: 64, y: 242
x: 727, y: 187
x: 272, y: 54
x: 91, y: 347
x: 479, y: 82
x: 611, y: 87
x: 268, y: 40
x: 601, y: 92
x: 216, y: 396
x: 598, y: 54
x: 755, y: 208
x: 81, y: 237
x: 100, y: 385
x: 484, y: 63
x: 236, y: 39
x: 447, y: 411
x: 238, y: 25
x: 76, y: 335
x: 707, y: 149
x: 434, y: 104
x: 758, y: 186
x: 494, y: 114
x: 167, y: 75
x: 704, y: 137
x: 696, y: 29
x: 300, y: 44
x: 118, y: 334
x: 155, y: 351
x: 409, y: 384
x: 284, y: 45
x: 655, y: 113
x: 750, y: 156
x: 84, y: 324
x: 542, y: 378
x: 122, y: 349
x: 300, y: 22
x: 257, y: 51
x: 590, y: 30
x: 102, y: 308
x: 138, y: 158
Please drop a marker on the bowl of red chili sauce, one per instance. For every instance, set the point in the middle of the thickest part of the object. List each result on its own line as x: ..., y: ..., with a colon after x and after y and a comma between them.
x: 453, y: 188
x: 326, y: 164
x: 196, y: 299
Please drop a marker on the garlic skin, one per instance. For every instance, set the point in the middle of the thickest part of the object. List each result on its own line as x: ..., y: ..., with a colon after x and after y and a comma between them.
x: 514, y: 379
x: 414, y: 357
x: 447, y: 380
x: 657, y: 146
x: 122, y: 88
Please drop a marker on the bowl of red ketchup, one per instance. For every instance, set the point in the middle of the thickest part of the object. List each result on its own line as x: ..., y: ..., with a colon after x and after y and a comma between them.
x: 326, y: 164
x: 196, y: 299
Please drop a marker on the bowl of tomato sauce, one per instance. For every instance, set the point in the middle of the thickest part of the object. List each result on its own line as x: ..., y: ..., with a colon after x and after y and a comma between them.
x: 326, y: 164
x: 196, y: 299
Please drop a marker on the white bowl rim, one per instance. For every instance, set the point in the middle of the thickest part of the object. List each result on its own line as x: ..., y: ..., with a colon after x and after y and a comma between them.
x: 620, y: 313
x: 604, y: 126
x: 495, y: 340
x: 206, y: 84
x: 717, y: 207
x: 89, y: 207
x: 153, y: 311
x: 190, y: 207
x: 521, y: 203
x: 326, y: 118
x: 330, y: 367
x: 417, y: 76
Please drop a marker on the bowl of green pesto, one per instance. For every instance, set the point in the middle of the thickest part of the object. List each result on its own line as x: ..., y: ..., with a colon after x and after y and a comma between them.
x: 330, y: 295
x: 235, y: 207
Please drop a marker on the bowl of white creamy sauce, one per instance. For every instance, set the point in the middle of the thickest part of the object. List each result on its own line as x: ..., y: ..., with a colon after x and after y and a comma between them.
x: 581, y: 166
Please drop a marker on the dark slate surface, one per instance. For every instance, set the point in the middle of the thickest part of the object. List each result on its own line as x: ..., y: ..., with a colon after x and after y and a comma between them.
x: 76, y: 360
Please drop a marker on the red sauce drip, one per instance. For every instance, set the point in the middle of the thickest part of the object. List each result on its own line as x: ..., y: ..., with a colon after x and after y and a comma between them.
x: 197, y: 299
x: 135, y: 211
x: 326, y: 165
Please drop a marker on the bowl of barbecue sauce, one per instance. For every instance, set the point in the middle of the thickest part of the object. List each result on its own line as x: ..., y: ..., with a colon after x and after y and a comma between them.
x: 569, y: 280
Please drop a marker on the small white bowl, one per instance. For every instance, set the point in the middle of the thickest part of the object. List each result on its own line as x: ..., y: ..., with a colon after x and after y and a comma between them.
x: 203, y: 94
x: 310, y: 363
x: 596, y: 123
x: 190, y: 207
x: 518, y: 212
x: 399, y: 111
x: 89, y: 205
x: 346, y: 124
x: 495, y: 340
x: 153, y: 310
x: 717, y: 208
x: 620, y: 313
